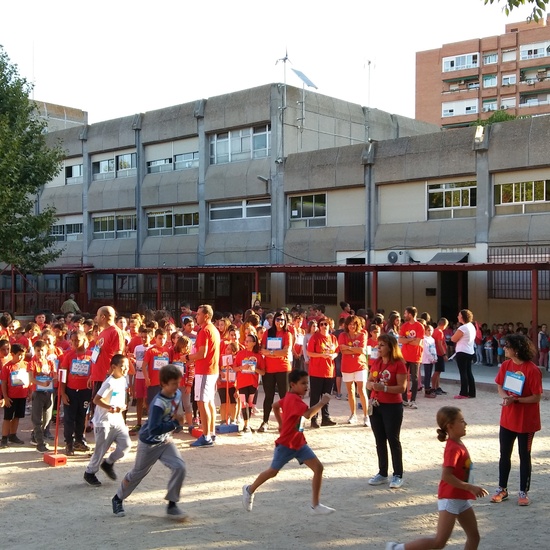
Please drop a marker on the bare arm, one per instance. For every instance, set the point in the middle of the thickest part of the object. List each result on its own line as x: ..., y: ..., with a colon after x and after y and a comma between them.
x: 448, y: 477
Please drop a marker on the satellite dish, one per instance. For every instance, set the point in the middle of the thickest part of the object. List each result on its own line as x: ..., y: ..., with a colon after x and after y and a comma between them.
x: 392, y: 257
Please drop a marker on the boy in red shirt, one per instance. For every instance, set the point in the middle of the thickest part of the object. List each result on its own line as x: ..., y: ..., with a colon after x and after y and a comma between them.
x: 155, y: 358
x: 15, y: 388
x: 292, y: 443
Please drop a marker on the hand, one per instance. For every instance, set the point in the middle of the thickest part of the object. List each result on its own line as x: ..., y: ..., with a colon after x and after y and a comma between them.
x: 479, y: 492
x: 378, y: 386
x: 147, y: 382
x: 7, y: 401
x: 178, y: 418
x: 65, y: 399
x: 325, y: 398
x: 508, y: 400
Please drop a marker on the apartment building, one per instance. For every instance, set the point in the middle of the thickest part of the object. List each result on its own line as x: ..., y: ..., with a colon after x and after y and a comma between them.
x: 465, y: 81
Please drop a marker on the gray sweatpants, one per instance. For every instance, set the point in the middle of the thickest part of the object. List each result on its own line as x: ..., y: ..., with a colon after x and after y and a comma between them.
x: 104, y: 438
x: 41, y: 413
x: 146, y: 456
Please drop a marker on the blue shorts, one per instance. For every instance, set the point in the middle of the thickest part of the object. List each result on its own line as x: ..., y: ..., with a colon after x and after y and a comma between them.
x: 284, y: 455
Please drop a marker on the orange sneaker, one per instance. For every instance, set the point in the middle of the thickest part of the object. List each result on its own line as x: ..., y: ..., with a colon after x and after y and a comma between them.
x: 523, y: 499
x: 500, y: 495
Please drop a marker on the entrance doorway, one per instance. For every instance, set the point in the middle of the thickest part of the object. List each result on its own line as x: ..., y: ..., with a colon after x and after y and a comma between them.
x: 453, y: 287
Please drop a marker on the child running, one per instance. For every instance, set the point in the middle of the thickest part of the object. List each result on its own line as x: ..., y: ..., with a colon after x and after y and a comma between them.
x: 454, y: 492
x: 156, y: 444
x: 291, y: 413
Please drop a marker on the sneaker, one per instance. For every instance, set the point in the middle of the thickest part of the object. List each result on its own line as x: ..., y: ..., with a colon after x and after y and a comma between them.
x: 378, y: 479
x: 406, y: 404
x: 366, y: 421
x: 263, y: 427
x: 202, y: 442
x: 246, y: 430
x: 392, y: 545
x: 328, y: 422
x: 118, y: 507
x: 42, y: 448
x: 69, y: 449
x: 33, y: 439
x: 339, y: 396
x: 315, y: 424
x: 352, y: 419
x: 134, y: 429
x: 321, y: 510
x: 248, y: 499
x: 81, y: 446
x: 500, y: 495
x: 396, y: 482
x: 4, y: 444
x: 91, y: 479
x: 14, y: 439
x: 48, y: 435
x: 461, y: 397
x: 440, y: 391
x: 523, y: 499
x: 430, y: 394
x: 174, y: 510
x: 412, y: 405
x: 108, y: 469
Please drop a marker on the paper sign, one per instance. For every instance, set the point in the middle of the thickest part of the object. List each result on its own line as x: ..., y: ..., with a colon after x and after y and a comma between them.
x: 274, y: 343
x: 513, y: 382
x: 48, y: 379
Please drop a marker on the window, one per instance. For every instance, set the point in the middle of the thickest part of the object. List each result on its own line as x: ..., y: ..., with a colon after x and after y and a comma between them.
x: 103, y: 169
x: 508, y: 102
x: 228, y: 210
x: 126, y: 283
x: 161, y: 165
x: 516, y: 285
x: 509, y: 55
x: 490, y: 58
x: 186, y: 160
x: 473, y: 85
x: 489, y: 80
x: 533, y: 51
x: 126, y: 165
x: 169, y: 223
x: 102, y: 286
x: 522, y: 197
x: 243, y: 144
x: 452, y: 200
x: 73, y: 174
x: 457, y: 108
x: 460, y: 62
x: 508, y: 79
x: 67, y: 232
x: 532, y: 100
x: 489, y: 105
x: 308, y: 211
x: 311, y: 288
x: 114, y: 226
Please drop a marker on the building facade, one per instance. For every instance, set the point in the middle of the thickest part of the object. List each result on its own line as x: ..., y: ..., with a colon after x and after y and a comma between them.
x: 469, y: 80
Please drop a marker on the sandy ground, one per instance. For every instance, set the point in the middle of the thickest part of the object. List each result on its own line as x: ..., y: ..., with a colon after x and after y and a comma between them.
x: 44, y: 506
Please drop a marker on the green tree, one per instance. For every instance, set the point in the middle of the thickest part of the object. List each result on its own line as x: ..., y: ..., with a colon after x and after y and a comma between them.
x: 497, y: 116
x: 26, y: 164
x: 539, y: 6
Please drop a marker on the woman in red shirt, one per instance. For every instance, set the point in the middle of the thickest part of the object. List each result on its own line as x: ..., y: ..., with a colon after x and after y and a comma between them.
x: 387, y: 381
x: 519, y: 383
x: 276, y: 345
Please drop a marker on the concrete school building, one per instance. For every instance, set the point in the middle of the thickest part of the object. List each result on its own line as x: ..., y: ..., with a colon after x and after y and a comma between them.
x: 468, y: 80
x: 308, y: 199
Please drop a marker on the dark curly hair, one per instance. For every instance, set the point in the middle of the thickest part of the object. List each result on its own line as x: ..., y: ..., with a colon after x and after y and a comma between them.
x: 524, y: 348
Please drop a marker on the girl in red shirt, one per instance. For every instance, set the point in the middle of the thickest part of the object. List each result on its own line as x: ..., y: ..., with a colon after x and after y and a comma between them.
x: 454, y: 491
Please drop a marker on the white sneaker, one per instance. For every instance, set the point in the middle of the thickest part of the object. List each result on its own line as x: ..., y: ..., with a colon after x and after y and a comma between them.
x: 391, y: 545
x: 412, y: 405
x: 378, y: 480
x: 248, y: 499
x: 352, y: 419
x: 366, y: 421
x: 396, y: 482
x: 321, y: 510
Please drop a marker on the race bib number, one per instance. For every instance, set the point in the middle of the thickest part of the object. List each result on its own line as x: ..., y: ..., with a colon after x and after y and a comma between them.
x: 227, y: 375
x: 80, y: 367
x: 19, y: 378
x: 248, y: 366
x: 95, y: 353
x: 180, y: 365
x: 159, y: 362
x: 48, y: 380
x: 274, y: 343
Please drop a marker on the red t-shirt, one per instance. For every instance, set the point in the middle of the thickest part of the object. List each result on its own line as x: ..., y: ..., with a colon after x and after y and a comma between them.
x: 78, y: 366
x: 209, y: 337
x: 521, y: 417
x: 291, y: 434
x: 387, y: 373
x: 322, y: 367
x: 250, y: 361
x: 109, y: 342
x: 440, y: 341
x: 155, y: 358
x: 42, y: 367
x: 357, y: 361
x: 17, y: 390
x: 412, y: 353
x: 456, y: 457
x: 278, y: 364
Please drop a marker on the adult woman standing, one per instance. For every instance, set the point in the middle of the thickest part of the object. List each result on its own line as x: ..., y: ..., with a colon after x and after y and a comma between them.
x: 322, y: 349
x: 519, y: 383
x: 387, y: 381
x: 463, y: 339
x: 353, y: 345
x: 311, y: 330
x: 394, y: 324
x: 276, y: 343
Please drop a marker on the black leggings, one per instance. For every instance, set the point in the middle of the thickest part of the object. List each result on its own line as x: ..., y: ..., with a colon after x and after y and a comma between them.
x: 386, y: 420
x: 525, y: 442
x: 317, y: 387
x: 270, y: 381
x: 467, y: 381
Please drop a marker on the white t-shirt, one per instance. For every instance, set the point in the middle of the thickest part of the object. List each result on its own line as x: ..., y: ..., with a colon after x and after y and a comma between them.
x: 466, y: 343
x: 112, y: 390
x: 139, y: 352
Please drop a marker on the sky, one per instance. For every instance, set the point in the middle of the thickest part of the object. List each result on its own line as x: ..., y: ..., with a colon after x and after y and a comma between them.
x: 119, y: 57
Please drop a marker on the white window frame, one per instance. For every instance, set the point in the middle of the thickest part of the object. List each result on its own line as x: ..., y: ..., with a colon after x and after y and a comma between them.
x: 184, y: 161
x: 240, y: 144
x: 509, y: 79
x: 460, y: 62
x: 456, y: 196
x: 523, y: 197
x: 490, y: 81
x: 535, y: 50
x: 490, y: 105
x: 490, y: 58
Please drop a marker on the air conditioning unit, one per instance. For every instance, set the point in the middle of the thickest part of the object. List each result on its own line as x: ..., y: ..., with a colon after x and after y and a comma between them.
x: 503, y: 107
x: 398, y: 257
x: 461, y: 81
